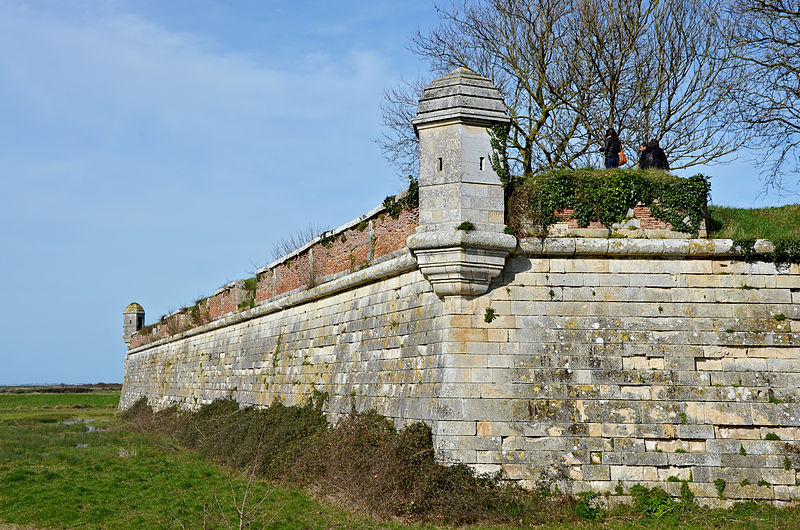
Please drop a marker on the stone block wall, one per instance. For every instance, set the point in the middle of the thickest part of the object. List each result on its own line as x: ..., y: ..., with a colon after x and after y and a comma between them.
x: 589, y: 364
x: 599, y: 364
x: 367, y: 346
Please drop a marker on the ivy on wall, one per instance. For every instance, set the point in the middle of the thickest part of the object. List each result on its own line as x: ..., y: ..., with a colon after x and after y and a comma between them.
x: 785, y: 250
x: 606, y: 196
x: 410, y: 200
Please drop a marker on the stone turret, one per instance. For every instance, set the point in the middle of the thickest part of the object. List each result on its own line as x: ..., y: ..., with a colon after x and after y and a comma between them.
x: 460, y: 243
x: 132, y: 321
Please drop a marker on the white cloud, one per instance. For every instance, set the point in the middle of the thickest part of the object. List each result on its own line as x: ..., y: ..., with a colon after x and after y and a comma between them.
x: 118, y: 66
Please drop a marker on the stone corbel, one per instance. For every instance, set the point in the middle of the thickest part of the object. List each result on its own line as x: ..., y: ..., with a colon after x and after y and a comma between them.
x: 461, y: 262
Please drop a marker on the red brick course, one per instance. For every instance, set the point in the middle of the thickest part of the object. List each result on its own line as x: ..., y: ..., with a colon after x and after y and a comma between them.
x: 228, y: 300
x: 647, y: 219
x: 391, y: 234
x: 215, y: 306
x: 264, y: 290
x: 639, y: 212
x: 348, y: 250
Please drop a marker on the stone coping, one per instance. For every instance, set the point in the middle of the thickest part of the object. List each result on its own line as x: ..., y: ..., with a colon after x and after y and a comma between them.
x: 668, y: 248
x: 461, y: 238
x: 399, y: 262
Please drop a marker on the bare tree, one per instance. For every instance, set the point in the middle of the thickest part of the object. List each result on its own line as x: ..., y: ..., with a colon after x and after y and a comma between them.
x: 296, y: 240
x: 665, y: 73
x: 523, y: 47
x: 398, y: 142
x: 569, y: 69
x: 766, y: 35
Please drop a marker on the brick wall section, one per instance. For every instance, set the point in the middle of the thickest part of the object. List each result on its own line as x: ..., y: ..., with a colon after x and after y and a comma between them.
x: 140, y: 339
x: 391, y: 234
x: 346, y: 251
x: 215, y: 306
x: 228, y: 300
x: 293, y: 274
x: 264, y: 290
x: 647, y: 220
x: 374, y: 237
x: 639, y: 212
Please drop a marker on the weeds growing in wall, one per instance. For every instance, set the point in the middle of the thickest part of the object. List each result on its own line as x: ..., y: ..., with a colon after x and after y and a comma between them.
x: 198, y: 314
x: 785, y: 250
x: 249, y: 288
x: 409, y: 201
x: 605, y: 196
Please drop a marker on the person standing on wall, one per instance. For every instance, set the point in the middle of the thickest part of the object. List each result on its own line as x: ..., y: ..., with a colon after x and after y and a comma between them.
x: 652, y: 156
x: 611, y: 149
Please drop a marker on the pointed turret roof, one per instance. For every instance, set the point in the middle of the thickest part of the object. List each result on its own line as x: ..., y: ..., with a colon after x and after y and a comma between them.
x: 461, y: 94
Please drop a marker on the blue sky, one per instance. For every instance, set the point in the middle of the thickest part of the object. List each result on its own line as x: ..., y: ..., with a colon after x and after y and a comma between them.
x: 154, y: 150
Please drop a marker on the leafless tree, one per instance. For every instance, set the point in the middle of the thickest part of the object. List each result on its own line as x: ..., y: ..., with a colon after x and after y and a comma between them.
x: 523, y: 47
x: 766, y: 35
x: 398, y: 142
x: 569, y: 69
x: 665, y: 73
x: 296, y: 240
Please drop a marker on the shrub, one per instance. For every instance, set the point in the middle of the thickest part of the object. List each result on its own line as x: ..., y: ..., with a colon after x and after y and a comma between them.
x: 606, y: 197
x: 396, y: 204
x: 653, y: 502
x: 362, y: 462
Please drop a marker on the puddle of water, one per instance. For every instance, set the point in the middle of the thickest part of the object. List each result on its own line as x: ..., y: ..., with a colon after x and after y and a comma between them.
x: 90, y: 428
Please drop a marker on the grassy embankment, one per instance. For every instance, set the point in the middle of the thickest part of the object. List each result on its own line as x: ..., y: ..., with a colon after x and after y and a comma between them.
x: 782, y: 222
x: 104, y: 471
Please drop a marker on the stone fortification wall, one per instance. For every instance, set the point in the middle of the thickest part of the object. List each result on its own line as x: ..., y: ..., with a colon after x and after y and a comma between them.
x: 367, y: 346
x: 589, y: 364
x: 583, y: 363
x: 610, y: 363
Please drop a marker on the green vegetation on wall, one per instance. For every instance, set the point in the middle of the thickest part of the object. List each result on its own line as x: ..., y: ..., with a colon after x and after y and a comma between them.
x: 606, y: 196
x: 249, y: 288
x: 408, y: 201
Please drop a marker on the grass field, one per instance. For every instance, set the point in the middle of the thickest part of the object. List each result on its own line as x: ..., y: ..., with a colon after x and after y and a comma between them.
x: 66, y: 463
x: 69, y: 461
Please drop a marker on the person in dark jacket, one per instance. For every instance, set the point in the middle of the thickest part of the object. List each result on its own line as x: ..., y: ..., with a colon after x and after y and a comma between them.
x: 611, y: 149
x: 642, y: 149
x: 653, y: 157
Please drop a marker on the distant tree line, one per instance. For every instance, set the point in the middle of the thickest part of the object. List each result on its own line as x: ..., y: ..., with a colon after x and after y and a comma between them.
x: 704, y: 78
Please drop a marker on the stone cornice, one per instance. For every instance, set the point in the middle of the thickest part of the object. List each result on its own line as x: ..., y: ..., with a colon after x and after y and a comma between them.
x: 668, y: 248
x: 461, y: 238
x: 461, y: 263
